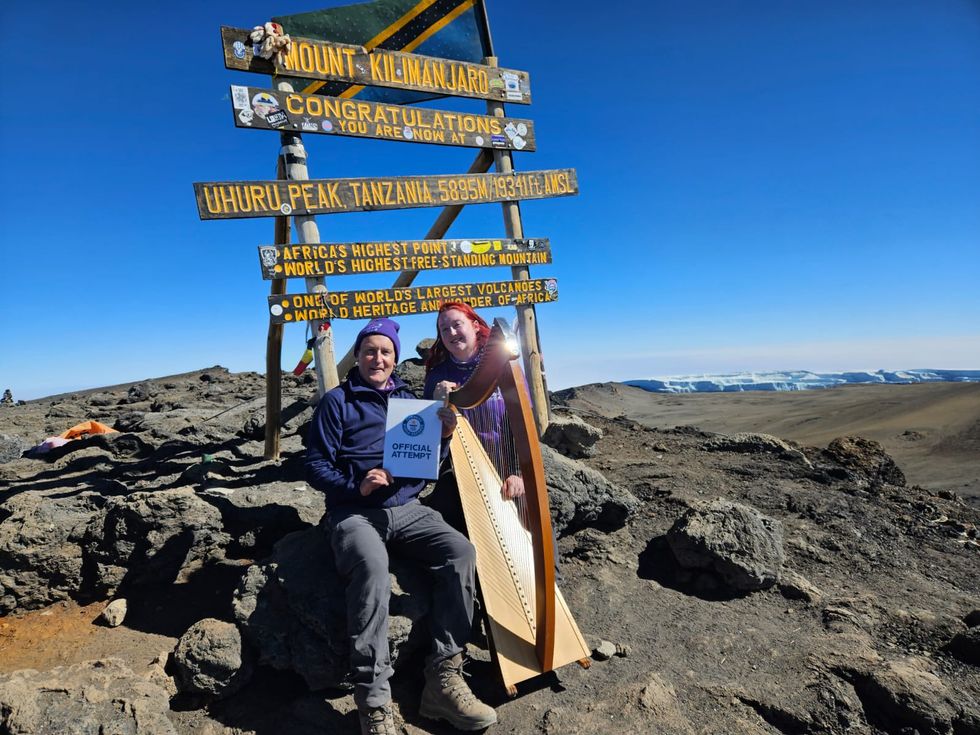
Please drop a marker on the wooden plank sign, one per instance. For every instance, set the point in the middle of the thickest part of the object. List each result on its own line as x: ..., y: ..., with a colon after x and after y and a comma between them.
x: 236, y: 199
x: 313, y: 59
x: 352, y: 258
x: 266, y: 109
x: 411, y: 300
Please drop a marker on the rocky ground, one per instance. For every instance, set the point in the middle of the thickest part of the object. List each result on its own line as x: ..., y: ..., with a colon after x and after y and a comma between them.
x: 730, y: 583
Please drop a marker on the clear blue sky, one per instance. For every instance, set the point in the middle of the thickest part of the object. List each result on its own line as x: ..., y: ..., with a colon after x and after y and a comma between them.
x: 789, y: 184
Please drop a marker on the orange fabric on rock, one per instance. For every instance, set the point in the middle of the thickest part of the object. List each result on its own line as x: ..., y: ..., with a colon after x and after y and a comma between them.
x: 87, y: 427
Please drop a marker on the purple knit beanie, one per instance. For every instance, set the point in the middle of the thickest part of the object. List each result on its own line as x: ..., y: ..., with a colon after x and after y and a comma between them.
x: 385, y: 327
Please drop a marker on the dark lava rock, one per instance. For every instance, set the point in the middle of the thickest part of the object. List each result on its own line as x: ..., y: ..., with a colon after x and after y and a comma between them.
x: 966, y: 646
x: 91, y: 698
x: 12, y: 447
x: 412, y: 371
x: 581, y: 496
x: 571, y: 436
x: 740, y: 544
x: 137, y: 393
x: 209, y: 659
x: 40, y: 548
x: 152, y: 536
x: 867, y: 458
x: 291, y: 609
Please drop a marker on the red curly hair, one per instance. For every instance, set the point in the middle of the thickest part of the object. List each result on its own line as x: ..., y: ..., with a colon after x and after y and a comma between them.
x: 438, y: 352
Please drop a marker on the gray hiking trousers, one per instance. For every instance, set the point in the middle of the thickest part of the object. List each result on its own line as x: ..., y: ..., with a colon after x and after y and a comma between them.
x: 361, y: 539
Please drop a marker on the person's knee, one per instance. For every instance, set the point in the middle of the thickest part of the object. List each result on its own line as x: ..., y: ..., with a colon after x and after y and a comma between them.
x: 464, y: 554
x: 372, y: 570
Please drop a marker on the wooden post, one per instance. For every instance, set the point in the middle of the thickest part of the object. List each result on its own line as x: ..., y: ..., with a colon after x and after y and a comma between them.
x: 439, y: 228
x: 527, y: 322
x: 273, y: 345
x: 307, y: 231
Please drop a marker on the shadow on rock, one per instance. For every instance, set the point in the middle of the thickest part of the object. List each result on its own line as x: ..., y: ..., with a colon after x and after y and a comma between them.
x: 658, y: 563
x: 170, y: 609
x: 275, y: 702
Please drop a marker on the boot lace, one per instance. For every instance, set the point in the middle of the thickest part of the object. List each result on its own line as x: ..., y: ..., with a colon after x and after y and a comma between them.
x: 380, y: 721
x: 452, y: 680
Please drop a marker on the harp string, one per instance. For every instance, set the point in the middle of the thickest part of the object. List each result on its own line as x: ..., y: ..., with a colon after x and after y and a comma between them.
x: 492, y: 427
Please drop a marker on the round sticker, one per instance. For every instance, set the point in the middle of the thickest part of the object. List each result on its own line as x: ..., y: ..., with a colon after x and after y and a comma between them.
x: 521, y: 129
x: 479, y: 140
x: 327, y: 125
x: 276, y: 310
x: 408, y: 133
x: 285, y: 208
x: 264, y: 104
x: 519, y: 143
x: 413, y: 425
x: 466, y: 246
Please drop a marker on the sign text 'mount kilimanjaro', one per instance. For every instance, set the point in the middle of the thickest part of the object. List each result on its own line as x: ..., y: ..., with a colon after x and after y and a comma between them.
x: 313, y: 59
x: 315, y: 260
x: 270, y: 110
x: 410, y: 300
x: 236, y: 199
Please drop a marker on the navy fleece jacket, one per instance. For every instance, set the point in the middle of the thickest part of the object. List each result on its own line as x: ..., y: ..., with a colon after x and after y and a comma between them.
x: 347, y: 439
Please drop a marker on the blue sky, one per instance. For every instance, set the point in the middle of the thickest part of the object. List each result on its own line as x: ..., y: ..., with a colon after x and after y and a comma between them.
x: 788, y: 184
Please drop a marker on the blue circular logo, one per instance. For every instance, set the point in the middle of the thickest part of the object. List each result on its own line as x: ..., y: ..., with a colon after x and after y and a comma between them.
x: 413, y: 425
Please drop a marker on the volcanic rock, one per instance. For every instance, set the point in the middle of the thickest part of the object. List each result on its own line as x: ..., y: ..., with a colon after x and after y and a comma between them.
x: 92, y: 698
x: 735, y: 541
x: 12, y: 447
x: 571, y: 436
x: 40, y: 547
x: 867, y: 458
x: 580, y: 496
x: 292, y: 609
x: 209, y: 659
x: 152, y: 537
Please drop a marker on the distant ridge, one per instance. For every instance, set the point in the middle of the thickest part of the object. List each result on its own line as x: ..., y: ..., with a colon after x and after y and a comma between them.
x: 797, y: 380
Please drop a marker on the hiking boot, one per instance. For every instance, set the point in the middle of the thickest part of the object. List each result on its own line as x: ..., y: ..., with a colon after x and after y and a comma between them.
x: 377, y: 720
x: 448, y: 697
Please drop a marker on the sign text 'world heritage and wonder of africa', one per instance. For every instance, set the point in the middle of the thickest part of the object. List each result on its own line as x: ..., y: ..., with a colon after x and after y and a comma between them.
x: 317, y: 260
x: 236, y: 199
x: 312, y: 59
x: 411, y: 300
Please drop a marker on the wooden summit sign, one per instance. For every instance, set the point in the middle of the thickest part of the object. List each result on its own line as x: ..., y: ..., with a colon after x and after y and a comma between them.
x: 236, y: 199
x: 411, y: 300
x: 341, y: 62
x: 351, y: 258
x: 266, y: 109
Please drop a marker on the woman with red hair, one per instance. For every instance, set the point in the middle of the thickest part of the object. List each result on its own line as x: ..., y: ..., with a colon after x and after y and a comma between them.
x: 461, y: 336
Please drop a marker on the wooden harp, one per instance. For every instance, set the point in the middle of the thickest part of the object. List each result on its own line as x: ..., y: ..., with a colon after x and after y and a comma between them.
x: 531, y: 629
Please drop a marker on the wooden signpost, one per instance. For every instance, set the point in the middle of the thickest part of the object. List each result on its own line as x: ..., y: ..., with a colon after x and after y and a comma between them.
x: 352, y: 258
x: 293, y: 108
x: 312, y: 59
x: 264, y: 109
x: 237, y: 199
x: 393, y: 302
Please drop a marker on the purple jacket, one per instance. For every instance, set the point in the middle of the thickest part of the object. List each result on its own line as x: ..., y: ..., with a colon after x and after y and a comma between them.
x: 346, y: 440
x: 488, y: 419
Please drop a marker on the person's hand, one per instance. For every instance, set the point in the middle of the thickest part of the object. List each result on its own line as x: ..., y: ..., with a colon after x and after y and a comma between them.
x: 448, y: 418
x: 442, y: 389
x: 513, y: 487
x: 378, y: 477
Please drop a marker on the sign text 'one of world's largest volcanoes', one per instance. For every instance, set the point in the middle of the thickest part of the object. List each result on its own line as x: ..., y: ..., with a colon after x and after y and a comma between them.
x: 236, y: 199
x: 313, y: 59
x: 375, y: 303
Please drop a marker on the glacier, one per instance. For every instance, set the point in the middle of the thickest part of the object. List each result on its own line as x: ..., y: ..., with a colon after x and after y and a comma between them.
x: 784, y: 380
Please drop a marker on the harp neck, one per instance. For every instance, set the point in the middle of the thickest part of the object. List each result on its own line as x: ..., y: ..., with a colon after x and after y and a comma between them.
x: 498, y: 352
